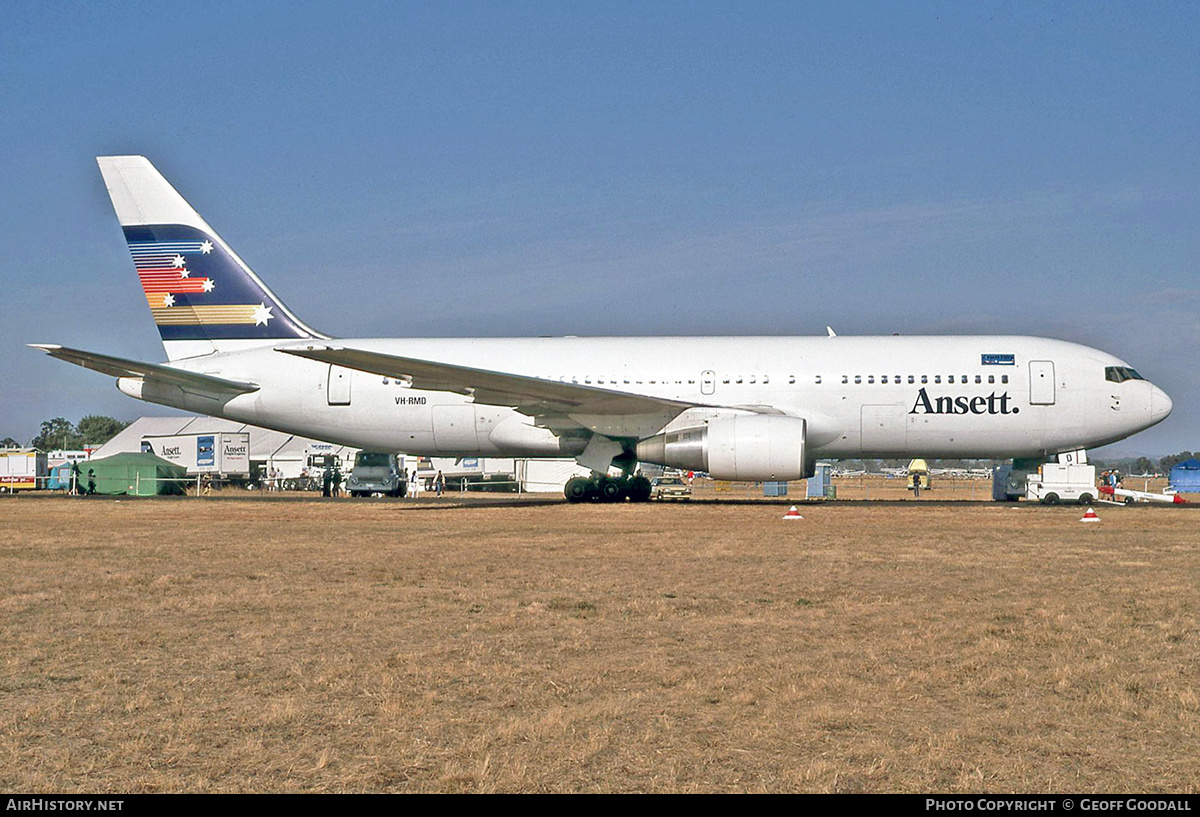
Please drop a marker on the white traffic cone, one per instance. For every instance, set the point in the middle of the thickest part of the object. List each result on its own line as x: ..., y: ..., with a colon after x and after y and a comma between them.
x: 1090, y: 516
x: 792, y: 513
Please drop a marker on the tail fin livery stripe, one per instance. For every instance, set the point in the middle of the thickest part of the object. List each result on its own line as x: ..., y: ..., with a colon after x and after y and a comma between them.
x: 157, y: 283
x: 162, y: 269
x: 197, y: 290
x: 251, y: 315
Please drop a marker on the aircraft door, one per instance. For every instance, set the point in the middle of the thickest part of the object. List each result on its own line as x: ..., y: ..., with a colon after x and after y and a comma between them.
x: 1041, y: 382
x: 708, y: 382
x: 338, y: 388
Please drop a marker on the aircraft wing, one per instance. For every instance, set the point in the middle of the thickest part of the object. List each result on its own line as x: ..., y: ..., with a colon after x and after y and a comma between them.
x: 121, y: 367
x: 529, y: 395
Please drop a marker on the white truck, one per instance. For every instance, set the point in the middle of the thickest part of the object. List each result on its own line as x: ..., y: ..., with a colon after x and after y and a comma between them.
x: 1055, y: 483
x: 225, y: 452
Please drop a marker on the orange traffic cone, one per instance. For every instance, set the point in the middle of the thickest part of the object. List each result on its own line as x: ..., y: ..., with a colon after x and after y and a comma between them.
x: 792, y: 513
x: 1090, y: 516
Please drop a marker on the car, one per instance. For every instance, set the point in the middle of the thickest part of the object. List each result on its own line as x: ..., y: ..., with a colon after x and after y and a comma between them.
x: 669, y: 488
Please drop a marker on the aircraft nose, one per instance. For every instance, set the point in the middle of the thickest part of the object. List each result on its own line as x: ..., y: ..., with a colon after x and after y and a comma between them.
x: 1160, y: 405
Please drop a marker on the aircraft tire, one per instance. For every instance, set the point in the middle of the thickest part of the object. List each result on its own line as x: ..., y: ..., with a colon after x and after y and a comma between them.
x: 577, y: 489
x: 638, y: 489
x: 609, y: 490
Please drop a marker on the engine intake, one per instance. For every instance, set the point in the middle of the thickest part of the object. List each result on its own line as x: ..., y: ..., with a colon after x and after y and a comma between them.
x: 750, y: 447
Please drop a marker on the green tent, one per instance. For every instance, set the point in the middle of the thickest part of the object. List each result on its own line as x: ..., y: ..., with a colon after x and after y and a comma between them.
x: 133, y: 475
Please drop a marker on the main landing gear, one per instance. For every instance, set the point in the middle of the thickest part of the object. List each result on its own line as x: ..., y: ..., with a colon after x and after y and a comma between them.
x: 607, y: 489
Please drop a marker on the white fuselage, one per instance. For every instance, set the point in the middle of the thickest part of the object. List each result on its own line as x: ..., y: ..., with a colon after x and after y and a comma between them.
x: 974, y: 396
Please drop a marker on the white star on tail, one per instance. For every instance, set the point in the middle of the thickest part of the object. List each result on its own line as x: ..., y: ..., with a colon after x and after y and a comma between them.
x: 206, y: 247
x: 168, y: 300
x: 177, y: 260
x: 262, y: 314
x: 208, y: 285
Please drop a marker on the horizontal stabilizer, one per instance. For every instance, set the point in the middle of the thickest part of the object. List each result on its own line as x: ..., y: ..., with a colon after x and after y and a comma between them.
x: 530, y: 395
x: 120, y: 367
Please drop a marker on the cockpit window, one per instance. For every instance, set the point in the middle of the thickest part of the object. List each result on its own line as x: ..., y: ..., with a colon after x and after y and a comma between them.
x: 1119, y: 374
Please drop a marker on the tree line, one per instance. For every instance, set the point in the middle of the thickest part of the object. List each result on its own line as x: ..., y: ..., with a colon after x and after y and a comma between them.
x: 60, y: 432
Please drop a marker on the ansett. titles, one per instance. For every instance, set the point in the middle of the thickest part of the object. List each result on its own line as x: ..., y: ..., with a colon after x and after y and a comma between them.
x: 992, y: 404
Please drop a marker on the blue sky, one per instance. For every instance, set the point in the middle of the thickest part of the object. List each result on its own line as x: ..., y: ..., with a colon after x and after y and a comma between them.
x: 622, y: 168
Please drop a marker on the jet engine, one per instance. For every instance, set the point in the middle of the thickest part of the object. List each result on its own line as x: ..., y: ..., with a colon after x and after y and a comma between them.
x: 745, y: 447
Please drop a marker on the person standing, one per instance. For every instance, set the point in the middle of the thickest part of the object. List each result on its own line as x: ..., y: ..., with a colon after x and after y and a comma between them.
x: 439, y: 484
x: 414, y: 485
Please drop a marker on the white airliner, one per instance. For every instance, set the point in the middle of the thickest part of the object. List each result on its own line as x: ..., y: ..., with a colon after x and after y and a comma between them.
x: 748, y: 408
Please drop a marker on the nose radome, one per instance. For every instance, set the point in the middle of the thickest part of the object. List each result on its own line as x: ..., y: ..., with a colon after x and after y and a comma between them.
x: 1160, y: 405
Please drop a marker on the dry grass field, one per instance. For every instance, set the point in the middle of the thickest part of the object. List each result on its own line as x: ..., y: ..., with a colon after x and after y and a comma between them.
x: 299, y: 645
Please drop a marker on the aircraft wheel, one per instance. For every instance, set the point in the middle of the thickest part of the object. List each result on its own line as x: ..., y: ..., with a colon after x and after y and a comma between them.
x: 609, y: 490
x: 577, y: 489
x: 638, y: 489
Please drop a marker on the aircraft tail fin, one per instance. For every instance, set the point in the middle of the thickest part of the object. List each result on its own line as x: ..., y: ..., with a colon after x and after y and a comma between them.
x: 202, y: 295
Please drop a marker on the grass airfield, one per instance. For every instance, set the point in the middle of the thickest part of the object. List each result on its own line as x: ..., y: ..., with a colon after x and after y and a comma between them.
x: 285, y: 644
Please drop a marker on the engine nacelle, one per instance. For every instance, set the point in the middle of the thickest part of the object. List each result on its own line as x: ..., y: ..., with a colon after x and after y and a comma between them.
x: 745, y: 447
